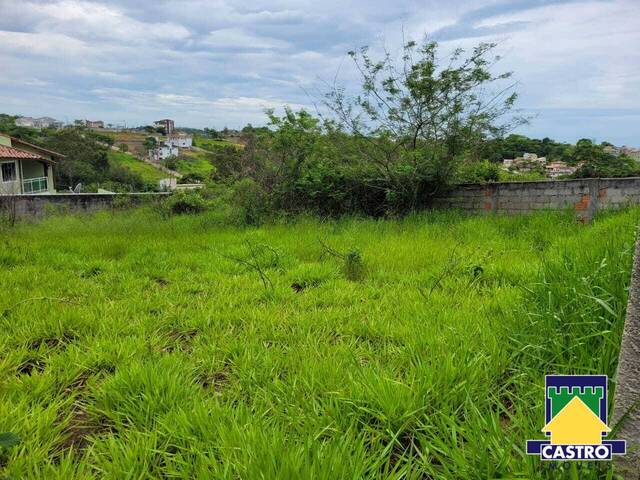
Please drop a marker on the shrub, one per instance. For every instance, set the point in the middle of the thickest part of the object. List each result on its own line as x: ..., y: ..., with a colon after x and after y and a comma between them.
x: 122, y: 202
x: 182, y: 202
x: 479, y: 172
x: 192, y: 177
x: 353, y: 266
x: 251, y: 202
x: 170, y: 162
x: 127, y: 179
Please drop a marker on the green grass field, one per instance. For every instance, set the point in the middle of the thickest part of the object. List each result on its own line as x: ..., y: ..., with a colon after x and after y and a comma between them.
x: 191, y: 161
x: 148, y: 173
x: 213, y: 144
x: 140, y: 347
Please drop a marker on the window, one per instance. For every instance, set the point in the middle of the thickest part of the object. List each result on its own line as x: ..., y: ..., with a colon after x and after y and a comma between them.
x: 8, y: 172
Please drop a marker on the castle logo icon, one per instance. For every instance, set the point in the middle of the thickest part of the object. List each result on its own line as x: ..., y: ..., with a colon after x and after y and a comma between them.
x: 576, y: 420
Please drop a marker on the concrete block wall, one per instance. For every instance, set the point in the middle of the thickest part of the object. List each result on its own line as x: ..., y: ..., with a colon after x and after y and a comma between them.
x: 584, y: 196
x: 37, y: 206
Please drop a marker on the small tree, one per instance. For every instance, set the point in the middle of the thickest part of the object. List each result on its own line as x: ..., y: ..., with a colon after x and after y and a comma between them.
x: 123, y: 147
x: 416, y: 118
x: 150, y: 143
x: 170, y: 162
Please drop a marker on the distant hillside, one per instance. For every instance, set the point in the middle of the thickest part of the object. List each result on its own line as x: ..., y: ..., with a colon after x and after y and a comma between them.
x: 148, y: 173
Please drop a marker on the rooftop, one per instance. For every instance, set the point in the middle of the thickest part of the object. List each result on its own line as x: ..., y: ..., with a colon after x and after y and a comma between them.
x: 10, y: 152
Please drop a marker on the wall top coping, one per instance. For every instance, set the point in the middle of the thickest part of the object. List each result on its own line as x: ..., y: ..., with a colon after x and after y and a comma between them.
x: 546, y: 182
x: 86, y: 195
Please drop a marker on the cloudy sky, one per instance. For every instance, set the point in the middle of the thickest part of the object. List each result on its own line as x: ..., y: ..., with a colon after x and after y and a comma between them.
x: 222, y: 62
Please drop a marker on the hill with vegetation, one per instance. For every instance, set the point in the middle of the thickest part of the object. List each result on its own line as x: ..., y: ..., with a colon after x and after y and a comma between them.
x: 148, y: 173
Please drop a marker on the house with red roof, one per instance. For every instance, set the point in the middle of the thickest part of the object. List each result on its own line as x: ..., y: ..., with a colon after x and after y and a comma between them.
x: 25, y: 168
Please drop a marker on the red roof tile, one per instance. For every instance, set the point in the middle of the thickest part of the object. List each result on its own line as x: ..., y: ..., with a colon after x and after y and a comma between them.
x: 10, y: 152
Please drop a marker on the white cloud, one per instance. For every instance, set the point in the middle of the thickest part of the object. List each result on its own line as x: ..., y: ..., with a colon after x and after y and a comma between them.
x: 238, y: 38
x: 41, y: 44
x: 96, y: 21
x: 217, y: 62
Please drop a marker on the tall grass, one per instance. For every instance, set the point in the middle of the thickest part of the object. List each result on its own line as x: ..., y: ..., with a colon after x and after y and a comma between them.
x: 141, y: 347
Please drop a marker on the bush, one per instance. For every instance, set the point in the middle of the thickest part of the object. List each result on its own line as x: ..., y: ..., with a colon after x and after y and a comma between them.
x: 188, y: 202
x: 251, y: 202
x: 479, y: 172
x: 122, y: 202
x: 192, y: 177
x: 170, y: 162
x: 354, y: 266
x: 130, y: 181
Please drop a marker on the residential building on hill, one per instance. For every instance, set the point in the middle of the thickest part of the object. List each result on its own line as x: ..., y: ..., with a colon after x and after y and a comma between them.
x: 25, y: 168
x: 526, y: 163
x: 558, y: 169
x: 42, y: 122
x: 611, y: 150
x: 631, y: 152
x: 94, y: 123
x: 168, y: 125
x: 181, y: 140
x: 623, y: 150
x: 163, y: 151
x: 530, y: 162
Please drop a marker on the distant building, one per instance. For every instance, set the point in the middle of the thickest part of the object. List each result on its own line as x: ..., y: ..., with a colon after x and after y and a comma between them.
x: 94, y: 124
x: 167, y: 184
x: 623, y: 150
x: 559, y: 169
x: 163, y: 151
x: 168, y: 125
x: 26, y: 122
x: 630, y: 152
x: 181, y: 140
x: 42, y: 122
x: 526, y: 163
x: 611, y: 150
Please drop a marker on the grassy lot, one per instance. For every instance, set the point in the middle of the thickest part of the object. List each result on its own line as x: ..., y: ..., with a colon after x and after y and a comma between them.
x: 213, y: 144
x: 192, y: 161
x: 137, y: 347
x: 148, y: 173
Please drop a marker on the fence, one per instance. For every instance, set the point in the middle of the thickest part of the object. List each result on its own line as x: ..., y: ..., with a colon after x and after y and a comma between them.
x: 30, y: 206
x: 585, y: 196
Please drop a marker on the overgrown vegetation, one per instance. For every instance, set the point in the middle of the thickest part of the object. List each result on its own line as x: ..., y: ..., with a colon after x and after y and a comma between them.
x: 182, y: 347
x: 386, y: 150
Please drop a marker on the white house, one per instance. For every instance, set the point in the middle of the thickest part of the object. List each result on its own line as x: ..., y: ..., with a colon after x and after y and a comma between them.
x: 163, y: 151
x: 181, y: 141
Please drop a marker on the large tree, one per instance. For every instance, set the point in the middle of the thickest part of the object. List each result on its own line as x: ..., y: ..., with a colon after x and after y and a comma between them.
x: 85, y: 158
x: 417, y: 117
